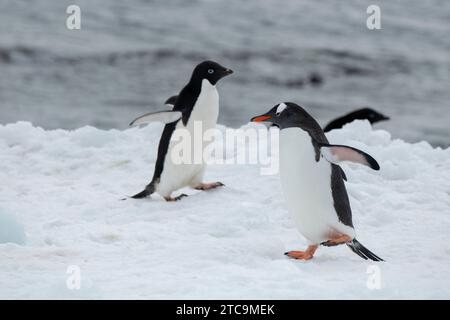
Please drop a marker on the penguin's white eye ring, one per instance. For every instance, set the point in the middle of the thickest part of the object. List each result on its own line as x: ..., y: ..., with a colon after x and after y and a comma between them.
x: 278, y: 114
x: 210, y: 71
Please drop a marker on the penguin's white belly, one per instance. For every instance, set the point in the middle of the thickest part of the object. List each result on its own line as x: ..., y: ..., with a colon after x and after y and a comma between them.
x: 177, y: 175
x: 306, y: 186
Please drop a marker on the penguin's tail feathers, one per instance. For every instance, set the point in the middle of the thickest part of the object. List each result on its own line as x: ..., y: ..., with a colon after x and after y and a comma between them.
x: 362, y: 251
x: 149, y: 189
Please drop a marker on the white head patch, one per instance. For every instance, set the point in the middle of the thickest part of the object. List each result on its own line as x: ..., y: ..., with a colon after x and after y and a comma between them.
x: 281, y: 107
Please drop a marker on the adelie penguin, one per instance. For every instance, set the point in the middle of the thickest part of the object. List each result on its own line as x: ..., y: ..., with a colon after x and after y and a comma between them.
x: 197, y: 101
x: 313, y: 183
x: 360, y: 114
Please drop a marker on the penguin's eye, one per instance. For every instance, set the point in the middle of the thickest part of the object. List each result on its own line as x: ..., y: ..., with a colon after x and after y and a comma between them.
x: 210, y: 71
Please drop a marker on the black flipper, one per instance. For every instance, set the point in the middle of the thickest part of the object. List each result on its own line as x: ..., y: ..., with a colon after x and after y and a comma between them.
x: 149, y: 189
x: 362, y: 251
x: 171, y: 101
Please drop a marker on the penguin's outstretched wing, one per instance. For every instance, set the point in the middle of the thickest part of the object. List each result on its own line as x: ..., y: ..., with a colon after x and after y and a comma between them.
x: 338, y: 153
x: 159, y: 116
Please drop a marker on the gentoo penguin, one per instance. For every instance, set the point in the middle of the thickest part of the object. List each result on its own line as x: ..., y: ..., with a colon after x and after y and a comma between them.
x: 198, y: 101
x: 361, y: 114
x: 312, y: 182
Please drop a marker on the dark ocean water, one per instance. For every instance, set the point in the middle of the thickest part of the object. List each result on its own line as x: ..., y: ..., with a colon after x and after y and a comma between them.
x: 130, y: 56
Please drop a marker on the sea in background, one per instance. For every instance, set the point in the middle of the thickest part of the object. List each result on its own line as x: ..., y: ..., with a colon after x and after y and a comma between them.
x: 129, y: 56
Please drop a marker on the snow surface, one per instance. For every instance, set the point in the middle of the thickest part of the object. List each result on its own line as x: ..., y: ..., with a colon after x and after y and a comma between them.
x: 64, y: 188
x: 11, y: 230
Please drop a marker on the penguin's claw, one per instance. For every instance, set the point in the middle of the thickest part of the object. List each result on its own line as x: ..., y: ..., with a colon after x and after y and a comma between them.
x: 170, y: 199
x: 303, y: 255
x: 208, y: 186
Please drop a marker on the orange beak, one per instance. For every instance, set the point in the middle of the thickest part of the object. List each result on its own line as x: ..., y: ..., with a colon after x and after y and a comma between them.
x: 260, y: 118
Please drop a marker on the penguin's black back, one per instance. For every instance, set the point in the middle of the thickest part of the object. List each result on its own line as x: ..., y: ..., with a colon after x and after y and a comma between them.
x: 360, y: 114
x: 187, y: 98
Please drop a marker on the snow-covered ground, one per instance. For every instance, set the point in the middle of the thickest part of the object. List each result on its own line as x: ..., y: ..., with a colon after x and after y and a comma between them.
x: 60, y: 206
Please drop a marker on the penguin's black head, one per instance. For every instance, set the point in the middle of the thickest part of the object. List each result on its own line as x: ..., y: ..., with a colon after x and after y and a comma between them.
x: 369, y: 114
x: 287, y: 115
x: 210, y: 70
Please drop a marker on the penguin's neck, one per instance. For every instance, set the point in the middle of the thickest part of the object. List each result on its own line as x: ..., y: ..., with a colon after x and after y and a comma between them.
x: 208, y: 91
x: 206, y: 107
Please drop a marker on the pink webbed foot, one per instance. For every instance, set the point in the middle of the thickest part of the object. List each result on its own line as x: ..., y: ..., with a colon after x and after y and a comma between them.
x: 208, y: 186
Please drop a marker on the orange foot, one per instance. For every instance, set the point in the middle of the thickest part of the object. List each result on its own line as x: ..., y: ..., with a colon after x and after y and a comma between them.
x: 207, y: 186
x: 336, y: 239
x: 303, y: 255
